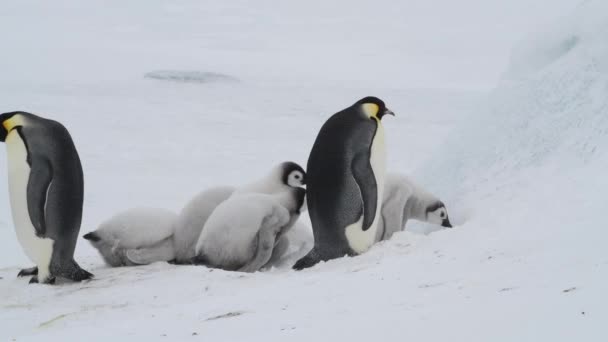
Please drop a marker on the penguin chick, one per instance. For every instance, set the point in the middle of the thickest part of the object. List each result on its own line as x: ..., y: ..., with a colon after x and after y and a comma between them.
x: 404, y: 200
x: 243, y: 231
x: 138, y: 236
x: 193, y: 217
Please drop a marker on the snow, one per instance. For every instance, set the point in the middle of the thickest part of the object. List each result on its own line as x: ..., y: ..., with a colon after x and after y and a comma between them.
x: 513, y: 144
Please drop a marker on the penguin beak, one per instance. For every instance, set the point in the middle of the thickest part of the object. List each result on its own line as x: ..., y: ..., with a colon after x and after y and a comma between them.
x: 389, y: 112
x: 446, y: 223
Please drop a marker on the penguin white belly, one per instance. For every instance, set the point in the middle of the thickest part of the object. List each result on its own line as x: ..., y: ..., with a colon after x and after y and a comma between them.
x: 39, y: 250
x: 358, y: 239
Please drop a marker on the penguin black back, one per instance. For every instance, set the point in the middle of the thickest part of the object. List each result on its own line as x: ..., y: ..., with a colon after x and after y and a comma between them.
x: 341, y: 185
x: 328, y: 191
x: 47, y: 192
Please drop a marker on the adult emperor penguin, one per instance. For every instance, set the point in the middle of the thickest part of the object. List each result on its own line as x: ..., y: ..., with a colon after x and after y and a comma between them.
x: 46, y: 194
x: 404, y: 200
x: 345, y: 182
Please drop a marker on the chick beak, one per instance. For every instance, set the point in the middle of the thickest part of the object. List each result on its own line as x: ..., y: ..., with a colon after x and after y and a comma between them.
x: 446, y: 223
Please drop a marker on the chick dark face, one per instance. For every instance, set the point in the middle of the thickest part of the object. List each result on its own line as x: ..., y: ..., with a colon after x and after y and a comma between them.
x: 293, y: 175
x: 373, y: 107
x: 438, y: 214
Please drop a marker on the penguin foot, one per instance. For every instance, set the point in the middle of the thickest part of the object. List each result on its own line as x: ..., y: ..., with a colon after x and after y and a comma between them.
x: 179, y: 262
x: 81, y: 275
x: 309, y: 260
x: 49, y: 280
x: 199, y: 260
x: 26, y: 272
x: 72, y: 271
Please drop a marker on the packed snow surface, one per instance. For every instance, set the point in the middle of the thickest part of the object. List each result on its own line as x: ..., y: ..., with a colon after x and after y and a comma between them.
x: 515, y: 144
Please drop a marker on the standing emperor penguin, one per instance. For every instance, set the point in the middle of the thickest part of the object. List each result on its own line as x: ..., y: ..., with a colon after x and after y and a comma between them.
x: 345, y: 182
x: 46, y: 194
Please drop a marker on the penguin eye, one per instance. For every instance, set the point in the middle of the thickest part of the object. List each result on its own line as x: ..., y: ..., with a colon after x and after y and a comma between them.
x: 442, y: 214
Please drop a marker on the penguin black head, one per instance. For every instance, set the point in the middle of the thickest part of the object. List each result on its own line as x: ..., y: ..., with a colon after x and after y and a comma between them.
x: 293, y: 174
x: 437, y: 213
x: 8, y: 121
x: 373, y: 107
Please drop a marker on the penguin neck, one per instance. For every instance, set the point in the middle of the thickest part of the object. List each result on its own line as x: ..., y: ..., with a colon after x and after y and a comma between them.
x: 417, y: 204
x: 289, y: 199
x: 414, y: 209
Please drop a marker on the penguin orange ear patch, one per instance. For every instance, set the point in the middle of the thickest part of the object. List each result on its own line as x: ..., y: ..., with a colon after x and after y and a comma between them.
x: 371, y: 109
x: 13, y: 122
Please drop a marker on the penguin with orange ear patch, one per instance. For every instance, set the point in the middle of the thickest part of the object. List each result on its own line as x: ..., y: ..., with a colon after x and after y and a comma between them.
x: 345, y: 182
x: 46, y: 188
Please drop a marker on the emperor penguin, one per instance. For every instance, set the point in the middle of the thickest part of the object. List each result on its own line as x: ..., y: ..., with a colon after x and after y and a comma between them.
x: 137, y: 236
x: 194, y: 215
x: 46, y: 189
x: 247, y: 231
x: 345, y: 182
x: 404, y: 200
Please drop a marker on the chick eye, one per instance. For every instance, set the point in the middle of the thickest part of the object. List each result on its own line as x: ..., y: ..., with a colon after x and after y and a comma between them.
x: 442, y: 215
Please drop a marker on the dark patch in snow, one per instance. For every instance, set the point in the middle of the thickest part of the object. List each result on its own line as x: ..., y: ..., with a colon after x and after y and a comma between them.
x: 569, y: 290
x: 190, y: 76
x: 505, y: 289
x: 54, y: 319
x: 227, y: 315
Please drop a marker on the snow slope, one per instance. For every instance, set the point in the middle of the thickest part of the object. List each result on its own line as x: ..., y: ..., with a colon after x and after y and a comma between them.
x: 520, y: 169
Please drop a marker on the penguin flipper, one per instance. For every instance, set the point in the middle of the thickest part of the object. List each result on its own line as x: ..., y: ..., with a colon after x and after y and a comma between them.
x: 41, y: 175
x: 266, y: 238
x: 366, y: 180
